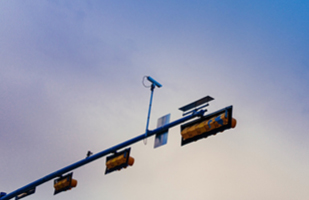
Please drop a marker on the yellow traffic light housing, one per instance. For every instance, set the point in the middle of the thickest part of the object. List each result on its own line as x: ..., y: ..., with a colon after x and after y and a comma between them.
x: 118, y: 161
x: 208, y: 125
x: 64, y: 183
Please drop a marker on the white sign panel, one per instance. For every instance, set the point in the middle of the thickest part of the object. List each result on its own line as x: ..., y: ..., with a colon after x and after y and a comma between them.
x: 161, y: 139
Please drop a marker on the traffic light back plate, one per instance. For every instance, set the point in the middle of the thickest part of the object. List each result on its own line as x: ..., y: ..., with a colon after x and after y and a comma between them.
x: 207, y: 125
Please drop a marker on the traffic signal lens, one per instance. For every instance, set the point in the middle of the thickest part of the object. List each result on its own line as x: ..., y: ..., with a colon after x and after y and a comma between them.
x: 234, y: 122
x: 131, y: 161
x: 73, y: 183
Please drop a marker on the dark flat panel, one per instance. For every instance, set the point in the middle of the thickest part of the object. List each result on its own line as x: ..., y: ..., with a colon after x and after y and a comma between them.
x: 196, y: 103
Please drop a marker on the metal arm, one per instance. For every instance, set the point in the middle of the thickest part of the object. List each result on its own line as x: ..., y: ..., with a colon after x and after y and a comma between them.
x: 99, y: 155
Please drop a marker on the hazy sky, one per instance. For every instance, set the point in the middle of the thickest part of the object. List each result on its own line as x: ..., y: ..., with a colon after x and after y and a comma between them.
x: 71, y: 81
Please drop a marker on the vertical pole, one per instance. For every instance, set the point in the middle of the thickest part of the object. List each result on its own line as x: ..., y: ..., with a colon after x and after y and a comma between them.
x: 149, y: 111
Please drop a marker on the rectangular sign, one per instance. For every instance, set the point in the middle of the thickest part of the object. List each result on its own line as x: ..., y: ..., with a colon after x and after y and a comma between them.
x: 161, y: 138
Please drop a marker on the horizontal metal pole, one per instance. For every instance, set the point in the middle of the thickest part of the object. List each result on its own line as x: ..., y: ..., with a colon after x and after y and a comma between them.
x: 99, y: 155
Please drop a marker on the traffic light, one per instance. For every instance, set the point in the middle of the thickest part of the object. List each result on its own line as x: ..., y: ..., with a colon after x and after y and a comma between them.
x: 118, y: 161
x: 64, y: 183
x: 208, y: 125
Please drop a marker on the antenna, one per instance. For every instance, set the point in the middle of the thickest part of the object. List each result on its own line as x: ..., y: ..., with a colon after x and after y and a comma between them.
x: 153, y: 85
x: 154, y: 82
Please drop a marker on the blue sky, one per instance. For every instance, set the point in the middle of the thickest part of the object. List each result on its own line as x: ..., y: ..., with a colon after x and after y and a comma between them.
x: 71, y: 81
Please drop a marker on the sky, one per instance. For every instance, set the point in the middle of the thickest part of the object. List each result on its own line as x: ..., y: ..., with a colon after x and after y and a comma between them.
x: 72, y: 81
